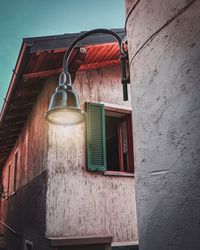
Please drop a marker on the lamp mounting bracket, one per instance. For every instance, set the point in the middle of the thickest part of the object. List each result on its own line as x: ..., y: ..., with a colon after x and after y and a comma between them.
x: 123, y: 55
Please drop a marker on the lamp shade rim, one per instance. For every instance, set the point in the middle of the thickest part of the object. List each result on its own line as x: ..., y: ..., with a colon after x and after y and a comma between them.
x: 79, y: 112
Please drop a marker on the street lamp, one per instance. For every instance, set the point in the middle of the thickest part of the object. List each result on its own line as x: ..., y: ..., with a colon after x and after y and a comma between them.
x: 65, y: 108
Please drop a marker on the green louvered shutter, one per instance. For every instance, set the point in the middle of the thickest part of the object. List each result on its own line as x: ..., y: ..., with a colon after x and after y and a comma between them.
x: 96, y: 142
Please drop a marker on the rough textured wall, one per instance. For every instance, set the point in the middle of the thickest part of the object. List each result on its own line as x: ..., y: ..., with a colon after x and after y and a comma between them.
x: 25, y: 209
x: 81, y: 203
x: 32, y: 146
x: 164, y: 49
x: 26, y: 214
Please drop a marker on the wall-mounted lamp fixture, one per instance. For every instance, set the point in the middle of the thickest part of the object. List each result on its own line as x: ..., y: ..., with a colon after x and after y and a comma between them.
x: 64, y: 108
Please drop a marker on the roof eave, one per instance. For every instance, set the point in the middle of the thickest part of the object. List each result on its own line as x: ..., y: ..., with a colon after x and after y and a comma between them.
x: 16, y: 76
x: 58, y: 42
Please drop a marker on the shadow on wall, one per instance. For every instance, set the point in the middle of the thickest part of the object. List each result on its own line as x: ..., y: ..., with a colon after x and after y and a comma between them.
x: 177, y: 197
x: 26, y: 214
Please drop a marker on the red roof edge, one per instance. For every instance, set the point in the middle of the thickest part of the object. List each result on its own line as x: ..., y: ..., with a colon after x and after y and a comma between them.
x: 16, y: 76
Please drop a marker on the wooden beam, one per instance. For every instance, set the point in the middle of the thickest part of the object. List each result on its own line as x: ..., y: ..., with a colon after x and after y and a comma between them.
x: 16, y: 107
x: 3, y: 156
x: 9, y: 136
x: 19, y: 116
x: 20, y: 101
x: 75, y: 63
x: 32, y: 84
x: 74, y: 67
x: 5, y: 152
x: 24, y: 92
x: 16, y: 118
x: 40, y: 60
x: 12, y: 125
x: 42, y: 74
x: 8, y: 144
x: 8, y: 140
x: 6, y: 149
x: 98, y: 65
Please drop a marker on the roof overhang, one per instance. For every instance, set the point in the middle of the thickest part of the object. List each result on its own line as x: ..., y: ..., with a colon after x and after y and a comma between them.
x: 40, y: 58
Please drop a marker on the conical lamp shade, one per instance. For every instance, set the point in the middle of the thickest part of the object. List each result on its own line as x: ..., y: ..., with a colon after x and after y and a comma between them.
x: 64, y: 108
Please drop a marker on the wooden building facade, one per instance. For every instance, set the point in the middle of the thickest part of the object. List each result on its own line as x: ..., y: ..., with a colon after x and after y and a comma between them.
x: 68, y: 187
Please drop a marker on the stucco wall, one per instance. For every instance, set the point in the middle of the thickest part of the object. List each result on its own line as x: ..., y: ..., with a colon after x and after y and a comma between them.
x: 164, y: 49
x: 31, y: 145
x: 25, y: 210
x: 81, y: 203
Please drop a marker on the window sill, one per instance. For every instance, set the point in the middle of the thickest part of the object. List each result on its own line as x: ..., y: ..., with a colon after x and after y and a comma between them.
x: 126, y: 243
x: 117, y: 173
x: 74, y: 241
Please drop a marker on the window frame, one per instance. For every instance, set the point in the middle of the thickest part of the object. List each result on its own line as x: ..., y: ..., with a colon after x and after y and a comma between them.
x: 16, y: 159
x: 28, y: 243
x: 128, y: 118
x: 106, y: 108
x: 8, y: 191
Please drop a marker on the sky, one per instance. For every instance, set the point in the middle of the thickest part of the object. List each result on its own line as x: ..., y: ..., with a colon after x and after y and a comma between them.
x: 29, y: 18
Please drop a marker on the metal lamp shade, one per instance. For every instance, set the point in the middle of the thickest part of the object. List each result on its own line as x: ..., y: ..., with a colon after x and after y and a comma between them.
x: 64, y: 108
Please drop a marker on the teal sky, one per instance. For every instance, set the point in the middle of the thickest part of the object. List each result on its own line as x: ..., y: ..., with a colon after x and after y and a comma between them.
x: 28, y: 18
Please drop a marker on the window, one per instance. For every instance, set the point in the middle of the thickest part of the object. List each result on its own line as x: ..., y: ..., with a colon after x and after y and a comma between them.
x: 119, y: 153
x: 15, y: 172
x: 109, y: 139
x: 8, y: 184
x: 12, y: 176
x: 28, y: 245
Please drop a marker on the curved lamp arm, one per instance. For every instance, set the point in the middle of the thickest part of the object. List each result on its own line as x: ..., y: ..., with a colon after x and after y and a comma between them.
x: 123, y: 57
